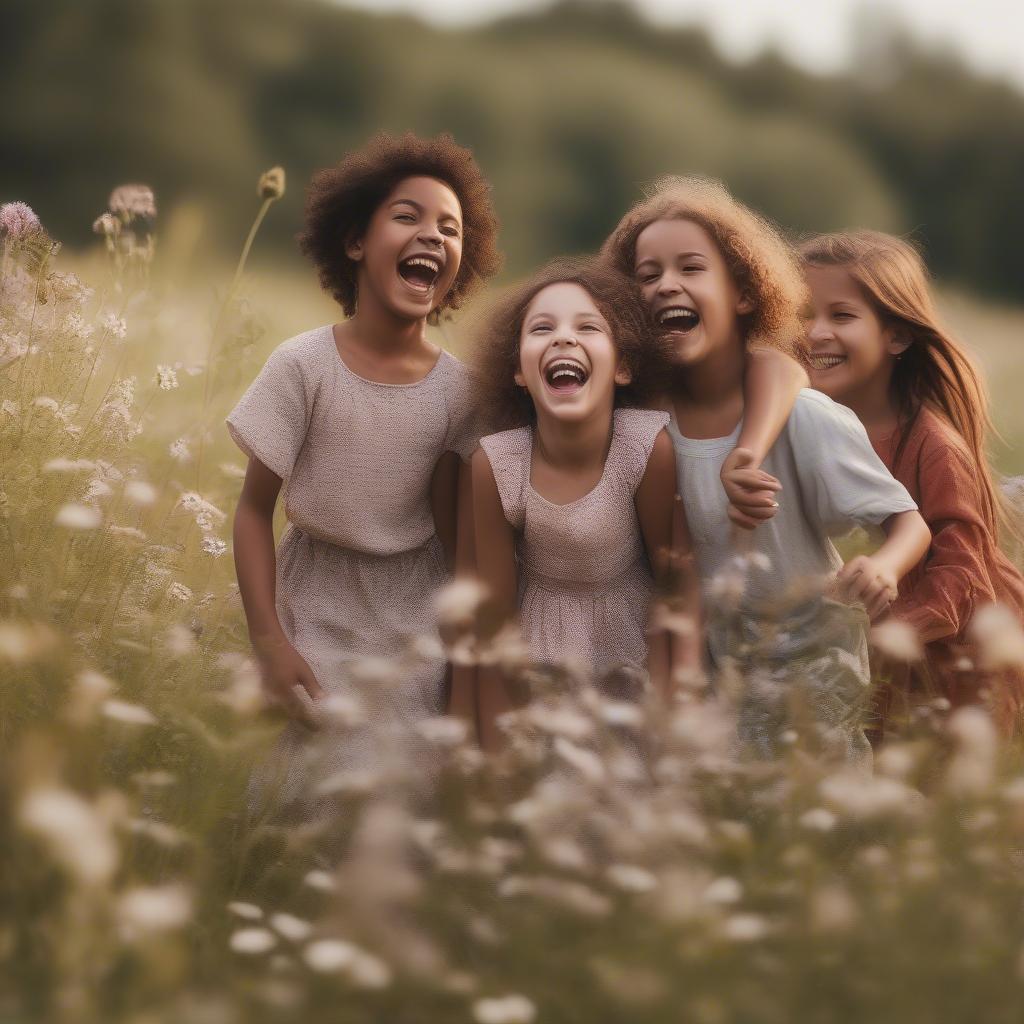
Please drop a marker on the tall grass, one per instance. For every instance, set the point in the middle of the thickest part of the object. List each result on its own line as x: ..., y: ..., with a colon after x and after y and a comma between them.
x: 617, y: 863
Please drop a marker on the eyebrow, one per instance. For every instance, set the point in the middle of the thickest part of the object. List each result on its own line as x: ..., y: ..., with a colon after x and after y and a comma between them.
x: 419, y: 208
x: 679, y: 256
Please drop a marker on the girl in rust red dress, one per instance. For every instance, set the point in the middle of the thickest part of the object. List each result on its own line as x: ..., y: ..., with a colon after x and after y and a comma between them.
x: 875, y: 345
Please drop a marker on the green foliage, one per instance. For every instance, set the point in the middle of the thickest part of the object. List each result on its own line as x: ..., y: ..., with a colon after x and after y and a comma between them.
x: 570, y: 110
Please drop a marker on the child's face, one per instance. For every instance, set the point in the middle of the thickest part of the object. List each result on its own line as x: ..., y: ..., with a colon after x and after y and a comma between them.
x: 410, y: 253
x: 848, y: 345
x: 685, y: 281
x: 567, y: 358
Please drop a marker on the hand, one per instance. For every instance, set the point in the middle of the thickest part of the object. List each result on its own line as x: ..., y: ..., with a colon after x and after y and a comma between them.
x: 863, y: 579
x: 751, y: 491
x: 288, y: 681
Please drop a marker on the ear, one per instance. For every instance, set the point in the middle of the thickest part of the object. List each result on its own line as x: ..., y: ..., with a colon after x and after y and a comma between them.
x: 354, y: 249
x: 623, y: 375
x: 519, y: 378
x: 745, y: 304
x: 897, y: 342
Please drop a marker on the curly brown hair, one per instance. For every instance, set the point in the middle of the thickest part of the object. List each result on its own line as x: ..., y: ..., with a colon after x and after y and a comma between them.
x: 495, y: 352
x: 341, y: 200
x: 762, y: 263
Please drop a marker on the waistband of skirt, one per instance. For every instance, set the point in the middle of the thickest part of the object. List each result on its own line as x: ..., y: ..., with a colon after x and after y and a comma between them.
x: 294, y: 534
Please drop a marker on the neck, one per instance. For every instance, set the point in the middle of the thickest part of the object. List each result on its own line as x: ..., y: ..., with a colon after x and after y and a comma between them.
x: 714, y: 381
x: 873, y: 404
x: 576, y: 443
x: 378, y: 328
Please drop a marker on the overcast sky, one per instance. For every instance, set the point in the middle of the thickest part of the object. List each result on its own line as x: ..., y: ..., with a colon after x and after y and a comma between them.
x: 988, y: 34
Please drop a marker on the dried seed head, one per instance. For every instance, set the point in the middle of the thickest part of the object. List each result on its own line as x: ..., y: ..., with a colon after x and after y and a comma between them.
x: 272, y: 183
x: 131, y: 201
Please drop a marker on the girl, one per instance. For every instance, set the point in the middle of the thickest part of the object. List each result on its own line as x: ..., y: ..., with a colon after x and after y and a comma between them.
x: 573, y: 508
x: 717, y: 277
x: 363, y: 421
x: 876, y: 345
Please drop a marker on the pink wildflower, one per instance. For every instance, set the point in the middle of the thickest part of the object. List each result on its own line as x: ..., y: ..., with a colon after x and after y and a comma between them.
x: 18, y: 220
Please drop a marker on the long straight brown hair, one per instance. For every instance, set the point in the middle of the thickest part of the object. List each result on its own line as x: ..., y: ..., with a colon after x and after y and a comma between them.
x: 934, y: 370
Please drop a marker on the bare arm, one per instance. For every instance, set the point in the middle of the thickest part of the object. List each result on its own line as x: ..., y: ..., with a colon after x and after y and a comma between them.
x: 496, y: 565
x: 655, y: 501
x: 873, y: 579
x: 463, y: 699
x: 770, y: 387
x: 444, y: 503
x: 256, y: 566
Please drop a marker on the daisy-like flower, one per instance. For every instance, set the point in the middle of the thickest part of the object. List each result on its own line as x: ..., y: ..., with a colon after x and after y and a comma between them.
x: 179, y: 592
x: 166, y: 377
x: 214, y: 546
x: 180, y: 451
x: 18, y: 220
x: 114, y: 325
x: 75, y: 326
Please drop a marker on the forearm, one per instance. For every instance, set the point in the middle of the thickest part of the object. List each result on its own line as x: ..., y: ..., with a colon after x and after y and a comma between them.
x: 256, y: 567
x: 494, y: 699
x: 771, y: 384
x: 906, y: 542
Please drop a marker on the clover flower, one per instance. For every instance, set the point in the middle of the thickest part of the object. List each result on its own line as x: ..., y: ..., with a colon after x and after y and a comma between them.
x: 131, y: 201
x: 18, y: 221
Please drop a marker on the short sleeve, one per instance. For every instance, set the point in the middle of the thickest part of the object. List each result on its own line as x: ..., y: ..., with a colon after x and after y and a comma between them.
x: 509, y: 455
x: 271, y: 419
x: 635, y: 432
x: 464, y: 415
x: 843, y: 482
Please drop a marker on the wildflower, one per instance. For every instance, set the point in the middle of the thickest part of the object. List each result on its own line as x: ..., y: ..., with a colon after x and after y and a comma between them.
x: 158, y: 778
x: 897, y: 640
x: 166, y: 377
x: 586, y: 762
x: 107, y: 225
x: 138, y: 492
x: 291, y: 927
x: 818, y: 819
x: 252, y: 941
x: 76, y: 327
x: 512, y: 1009
x: 745, y: 928
x: 150, y: 909
x: 320, y: 880
x: 90, y: 689
x: 76, y: 834
x: 972, y: 768
x: 999, y: 636
x: 22, y: 642
x: 631, y: 878
x: 18, y: 221
x: 10, y: 408
x: 204, y: 521
x: 179, y: 640
x: 723, y: 891
x: 68, y: 465
x: 179, y: 592
x: 249, y: 911
x: 192, y: 502
x: 329, y: 955
x: 159, y: 831
x: 96, y: 490
x: 130, y: 201
x: 232, y: 470
x: 213, y: 546
x: 125, y: 532
x: 180, y: 451
x: 68, y: 287
x: 443, y: 731
x: 457, y: 603
x: 78, y: 517
x: 129, y: 714
x: 271, y: 185
x: 114, y: 325
x: 367, y: 971
x: 832, y: 909
x: 865, y: 796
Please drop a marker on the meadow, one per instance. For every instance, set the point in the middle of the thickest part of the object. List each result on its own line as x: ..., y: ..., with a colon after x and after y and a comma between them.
x: 614, y: 864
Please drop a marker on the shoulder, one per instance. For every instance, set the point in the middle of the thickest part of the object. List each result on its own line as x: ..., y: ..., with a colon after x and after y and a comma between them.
x: 815, y: 411
x: 305, y: 355
x: 937, y: 441
x: 504, y: 446
x: 639, y: 428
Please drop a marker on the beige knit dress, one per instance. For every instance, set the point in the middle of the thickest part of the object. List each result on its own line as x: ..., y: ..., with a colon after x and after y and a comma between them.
x: 360, y: 560
x: 584, y: 578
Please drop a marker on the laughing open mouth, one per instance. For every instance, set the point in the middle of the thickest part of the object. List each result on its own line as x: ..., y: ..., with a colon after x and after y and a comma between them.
x: 420, y: 272
x: 565, y: 375
x: 679, y: 318
x: 825, y: 360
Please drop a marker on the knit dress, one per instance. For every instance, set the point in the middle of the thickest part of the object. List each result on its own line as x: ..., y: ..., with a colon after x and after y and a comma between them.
x: 585, y: 581
x: 360, y: 560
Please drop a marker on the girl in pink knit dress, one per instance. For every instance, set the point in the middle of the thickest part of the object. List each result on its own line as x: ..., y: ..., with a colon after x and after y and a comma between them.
x: 363, y: 423
x: 574, y: 508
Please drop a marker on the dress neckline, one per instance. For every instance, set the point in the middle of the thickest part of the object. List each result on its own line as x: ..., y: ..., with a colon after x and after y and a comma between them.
x: 593, y: 490
x: 329, y: 332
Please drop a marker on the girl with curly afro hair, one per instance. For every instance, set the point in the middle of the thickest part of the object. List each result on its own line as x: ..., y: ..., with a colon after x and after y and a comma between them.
x: 574, y: 504
x: 363, y: 423
x: 717, y: 278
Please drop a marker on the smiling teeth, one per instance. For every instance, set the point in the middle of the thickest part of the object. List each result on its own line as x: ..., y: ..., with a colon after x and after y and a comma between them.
x: 826, y: 362
x: 566, y: 368
x: 677, y: 313
x: 421, y: 261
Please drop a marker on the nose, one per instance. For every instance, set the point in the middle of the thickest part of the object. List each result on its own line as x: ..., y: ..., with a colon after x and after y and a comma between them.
x: 818, y: 330
x: 668, y: 284
x: 431, y: 235
x: 565, y: 335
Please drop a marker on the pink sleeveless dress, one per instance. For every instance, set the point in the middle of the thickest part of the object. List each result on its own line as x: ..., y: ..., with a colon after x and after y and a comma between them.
x: 360, y: 561
x: 584, y: 578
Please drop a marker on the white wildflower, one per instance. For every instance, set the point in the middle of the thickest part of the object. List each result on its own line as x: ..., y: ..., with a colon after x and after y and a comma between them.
x: 213, y: 546
x: 130, y: 201
x: 150, y: 909
x: 832, y: 909
x: 621, y: 713
x: 97, y: 489
x: 180, y: 451
x: 897, y: 640
x: 511, y: 1009
x: 457, y: 603
x: 76, y: 327
x: 292, y: 928
x: 232, y: 470
x: 194, y: 503
x: 9, y: 408
x: 62, y: 465
x: 631, y: 878
x: 322, y: 881
x: 253, y: 941
x: 326, y: 955
x: 166, y: 377
x: 76, y: 834
x: 78, y: 517
x: 972, y: 768
x: 723, y: 891
x: 586, y: 762
x: 179, y: 592
x: 818, y: 819
x: 114, y: 325
x: 248, y: 911
x: 138, y: 492
x: 560, y: 721
x: 745, y: 928
x: 129, y: 714
x: 159, y: 831
x: 864, y: 796
x: 998, y: 634
x: 368, y: 971
x: 443, y: 731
